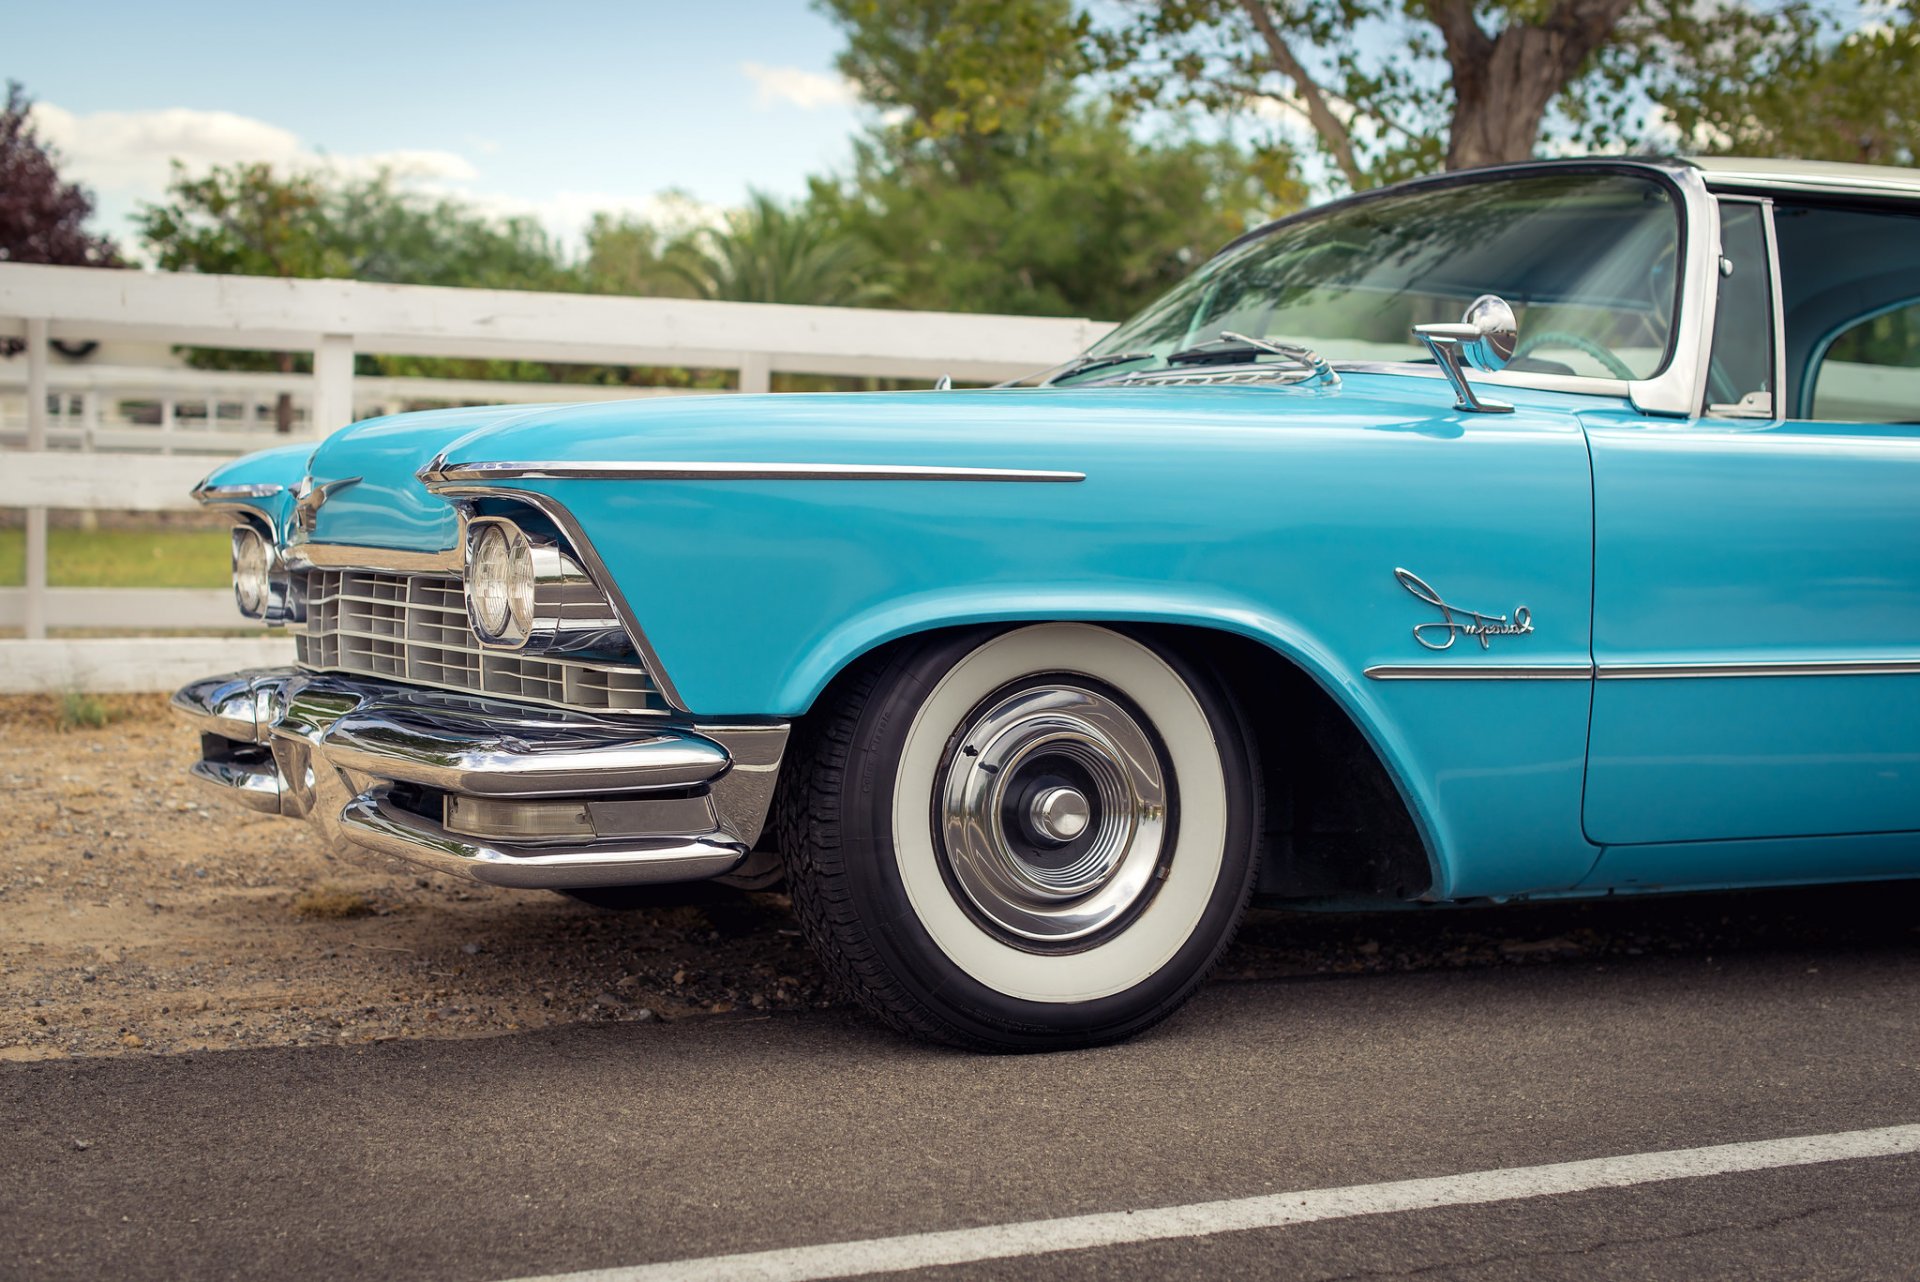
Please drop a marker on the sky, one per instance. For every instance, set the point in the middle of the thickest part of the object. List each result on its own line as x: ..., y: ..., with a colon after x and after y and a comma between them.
x: 555, y: 111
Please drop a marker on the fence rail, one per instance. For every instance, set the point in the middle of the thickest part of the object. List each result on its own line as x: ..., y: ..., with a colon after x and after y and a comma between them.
x: 70, y: 445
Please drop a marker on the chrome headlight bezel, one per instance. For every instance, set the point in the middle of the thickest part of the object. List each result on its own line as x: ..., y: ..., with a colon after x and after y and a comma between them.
x: 262, y: 587
x: 525, y: 592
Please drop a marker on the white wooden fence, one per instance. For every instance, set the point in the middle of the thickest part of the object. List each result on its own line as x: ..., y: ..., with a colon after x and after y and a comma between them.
x: 52, y: 457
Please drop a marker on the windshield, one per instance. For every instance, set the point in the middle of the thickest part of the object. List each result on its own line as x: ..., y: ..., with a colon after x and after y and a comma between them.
x: 1587, y: 261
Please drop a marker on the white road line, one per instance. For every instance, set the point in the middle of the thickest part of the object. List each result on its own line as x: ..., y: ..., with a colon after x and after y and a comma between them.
x: 1200, y: 1219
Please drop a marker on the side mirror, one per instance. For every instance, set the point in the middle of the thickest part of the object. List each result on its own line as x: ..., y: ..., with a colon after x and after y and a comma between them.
x: 1484, y: 340
x: 1499, y: 334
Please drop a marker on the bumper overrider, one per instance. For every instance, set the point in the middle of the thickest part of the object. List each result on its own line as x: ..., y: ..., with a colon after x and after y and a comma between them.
x: 499, y: 792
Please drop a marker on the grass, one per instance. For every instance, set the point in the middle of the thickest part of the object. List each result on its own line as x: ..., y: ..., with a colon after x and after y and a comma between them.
x: 122, y: 558
x: 79, y: 711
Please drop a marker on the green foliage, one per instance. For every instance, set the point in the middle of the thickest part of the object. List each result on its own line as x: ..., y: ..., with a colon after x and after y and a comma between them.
x: 770, y: 252
x: 82, y: 711
x: 999, y: 180
x: 245, y: 220
x: 1082, y: 219
x: 1796, y: 83
x: 1392, y: 88
x: 962, y: 71
x: 628, y: 255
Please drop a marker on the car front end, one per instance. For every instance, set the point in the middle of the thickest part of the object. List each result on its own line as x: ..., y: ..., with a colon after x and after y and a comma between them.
x: 481, y: 708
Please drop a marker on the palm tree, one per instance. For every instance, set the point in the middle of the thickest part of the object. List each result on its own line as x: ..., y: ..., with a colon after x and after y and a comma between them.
x: 770, y: 252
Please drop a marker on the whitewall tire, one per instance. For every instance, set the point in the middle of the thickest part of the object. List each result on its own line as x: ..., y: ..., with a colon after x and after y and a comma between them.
x: 1022, y: 840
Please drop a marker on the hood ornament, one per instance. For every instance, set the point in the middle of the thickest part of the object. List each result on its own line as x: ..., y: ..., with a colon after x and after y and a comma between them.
x: 1455, y: 622
x: 307, y: 498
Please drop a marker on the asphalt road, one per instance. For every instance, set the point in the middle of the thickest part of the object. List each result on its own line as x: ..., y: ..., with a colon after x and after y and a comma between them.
x: 611, y: 1145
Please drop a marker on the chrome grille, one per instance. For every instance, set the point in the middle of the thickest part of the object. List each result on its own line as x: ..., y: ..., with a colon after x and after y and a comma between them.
x: 414, y: 628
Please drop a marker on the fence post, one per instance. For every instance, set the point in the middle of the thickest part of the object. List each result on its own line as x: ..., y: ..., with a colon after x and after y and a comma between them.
x: 756, y: 372
x: 35, y: 619
x: 332, y: 384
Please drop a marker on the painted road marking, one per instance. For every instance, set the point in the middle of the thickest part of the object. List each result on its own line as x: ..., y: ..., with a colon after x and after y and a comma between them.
x: 1274, y: 1210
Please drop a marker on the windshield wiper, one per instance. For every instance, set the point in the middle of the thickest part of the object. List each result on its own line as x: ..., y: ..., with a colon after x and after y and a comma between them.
x: 1233, y: 348
x: 1082, y: 364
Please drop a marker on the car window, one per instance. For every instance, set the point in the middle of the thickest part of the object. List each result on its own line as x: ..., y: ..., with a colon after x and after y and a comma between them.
x: 1850, y: 284
x: 1586, y: 260
x: 1870, y: 373
x: 1740, y: 370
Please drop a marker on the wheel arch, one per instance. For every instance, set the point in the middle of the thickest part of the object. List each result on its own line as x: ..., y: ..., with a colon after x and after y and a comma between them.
x: 1279, y: 675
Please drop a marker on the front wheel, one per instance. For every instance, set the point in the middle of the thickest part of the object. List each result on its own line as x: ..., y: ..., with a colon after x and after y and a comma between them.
x: 1028, y: 840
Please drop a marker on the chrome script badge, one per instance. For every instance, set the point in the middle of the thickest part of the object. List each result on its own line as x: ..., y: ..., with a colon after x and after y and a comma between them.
x: 1455, y: 622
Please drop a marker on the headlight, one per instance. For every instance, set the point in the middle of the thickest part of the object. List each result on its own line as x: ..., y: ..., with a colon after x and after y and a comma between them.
x: 500, y: 584
x: 252, y: 572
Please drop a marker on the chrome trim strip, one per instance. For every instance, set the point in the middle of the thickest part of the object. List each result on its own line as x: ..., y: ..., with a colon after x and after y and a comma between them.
x: 1481, y: 672
x: 211, y: 494
x: 486, y: 754
x: 349, y: 556
x: 1762, y: 668
x: 1644, y: 671
x: 373, y: 821
x: 437, y: 475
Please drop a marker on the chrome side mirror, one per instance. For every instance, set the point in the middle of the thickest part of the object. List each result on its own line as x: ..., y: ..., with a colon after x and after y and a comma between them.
x: 1484, y: 340
x: 1498, y: 332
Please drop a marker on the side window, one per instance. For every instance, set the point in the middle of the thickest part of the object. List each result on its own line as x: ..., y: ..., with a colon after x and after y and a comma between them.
x: 1870, y: 372
x: 1740, y: 370
x: 1850, y: 278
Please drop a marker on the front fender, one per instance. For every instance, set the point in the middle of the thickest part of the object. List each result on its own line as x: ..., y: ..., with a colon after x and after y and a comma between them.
x: 755, y: 593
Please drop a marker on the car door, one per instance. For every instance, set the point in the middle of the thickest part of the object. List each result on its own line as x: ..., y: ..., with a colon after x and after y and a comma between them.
x: 1757, y: 578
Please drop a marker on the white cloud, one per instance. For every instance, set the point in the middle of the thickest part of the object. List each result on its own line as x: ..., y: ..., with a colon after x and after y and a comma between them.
x: 129, y: 153
x: 803, y: 89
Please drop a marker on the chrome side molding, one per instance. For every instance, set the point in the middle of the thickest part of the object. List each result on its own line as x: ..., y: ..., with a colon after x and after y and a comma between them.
x: 440, y: 474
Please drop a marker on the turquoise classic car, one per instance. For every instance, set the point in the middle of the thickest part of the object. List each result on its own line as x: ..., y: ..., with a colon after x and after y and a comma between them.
x: 1547, y: 530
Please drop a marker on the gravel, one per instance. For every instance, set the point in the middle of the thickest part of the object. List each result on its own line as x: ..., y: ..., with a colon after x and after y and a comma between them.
x: 139, y: 917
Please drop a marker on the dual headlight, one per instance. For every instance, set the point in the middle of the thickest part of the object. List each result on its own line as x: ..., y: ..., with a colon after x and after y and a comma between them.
x: 261, y: 586
x: 524, y: 592
x: 501, y: 587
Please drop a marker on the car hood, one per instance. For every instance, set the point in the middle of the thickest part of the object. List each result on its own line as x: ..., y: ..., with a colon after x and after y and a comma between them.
x: 375, y: 498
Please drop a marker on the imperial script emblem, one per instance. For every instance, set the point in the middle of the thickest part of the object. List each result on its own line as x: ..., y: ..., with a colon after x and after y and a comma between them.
x: 1454, y: 622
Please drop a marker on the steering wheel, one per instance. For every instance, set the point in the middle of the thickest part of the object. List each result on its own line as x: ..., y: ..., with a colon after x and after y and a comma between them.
x: 1579, y: 343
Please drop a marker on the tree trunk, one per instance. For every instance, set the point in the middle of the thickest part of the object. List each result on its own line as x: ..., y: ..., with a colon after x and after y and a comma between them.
x: 1503, y: 85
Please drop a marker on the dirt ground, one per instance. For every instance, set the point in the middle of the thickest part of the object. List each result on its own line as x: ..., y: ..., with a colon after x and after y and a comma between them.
x: 140, y: 915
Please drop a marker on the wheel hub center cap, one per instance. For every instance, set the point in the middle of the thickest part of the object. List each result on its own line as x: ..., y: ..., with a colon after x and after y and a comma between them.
x: 1060, y: 814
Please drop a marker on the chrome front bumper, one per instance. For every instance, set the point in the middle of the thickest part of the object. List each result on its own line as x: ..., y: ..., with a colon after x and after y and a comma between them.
x: 373, y: 764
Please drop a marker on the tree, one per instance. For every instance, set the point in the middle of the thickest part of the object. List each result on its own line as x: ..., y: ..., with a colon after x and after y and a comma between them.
x: 628, y: 255
x: 770, y: 252
x: 997, y: 179
x: 250, y: 220
x: 1800, y: 85
x: 245, y: 220
x: 1081, y: 219
x: 1392, y: 88
x: 42, y: 219
x: 1388, y: 88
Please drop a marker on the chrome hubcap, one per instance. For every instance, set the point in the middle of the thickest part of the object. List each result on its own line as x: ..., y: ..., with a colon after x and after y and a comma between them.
x: 1060, y: 814
x: 1053, y: 813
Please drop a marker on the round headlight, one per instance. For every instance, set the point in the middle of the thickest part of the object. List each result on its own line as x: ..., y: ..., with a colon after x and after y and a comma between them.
x: 252, y: 570
x: 500, y: 584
